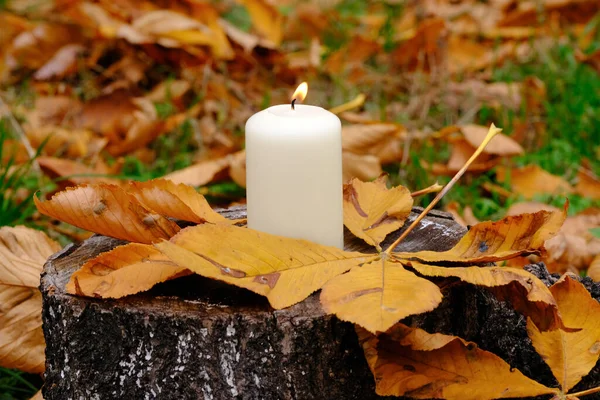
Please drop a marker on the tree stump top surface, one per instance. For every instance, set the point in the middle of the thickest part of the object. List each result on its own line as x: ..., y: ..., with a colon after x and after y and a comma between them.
x: 438, y: 232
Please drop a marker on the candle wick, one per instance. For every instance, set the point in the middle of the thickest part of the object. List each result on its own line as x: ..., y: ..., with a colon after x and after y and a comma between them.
x: 293, y: 102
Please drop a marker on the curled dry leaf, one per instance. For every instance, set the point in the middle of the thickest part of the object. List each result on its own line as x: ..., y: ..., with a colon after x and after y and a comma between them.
x: 588, y: 184
x: 500, y: 145
x: 574, y: 247
x: 383, y: 140
x: 371, y: 211
x: 362, y: 166
x: 201, y: 173
x: 594, y: 269
x: 23, y: 252
x: 525, y: 291
x: 379, y: 294
x: 571, y: 355
x: 125, y: 270
x: 110, y: 211
x: 531, y: 180
x: 175, y: 200
x: 411, y: 362
x: 501, y: 240
x: 284, y: 270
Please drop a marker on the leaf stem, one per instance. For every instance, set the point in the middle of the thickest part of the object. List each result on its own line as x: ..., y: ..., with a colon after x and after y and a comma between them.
x: 436, y: 187
x: 585, y: 392
x: 493, y: 131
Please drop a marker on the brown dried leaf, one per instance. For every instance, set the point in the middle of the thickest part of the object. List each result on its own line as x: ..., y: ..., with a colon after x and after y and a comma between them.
x: 364, y: 167
x: 531, y: 180
x: 570, y: 355
x: 411, y: 362
x: 175, y: 200
x: 125, y: 270
x: 382, y: 140
x: 201, y: 173
x: 385, y: 289
x: 588, y: 184
x: 501, y: 240
x: 266, y: 19
x: 500, y: 145
x: 23, y: 252
x: 110, y: 211
x: 574, y: 247
x: 371, y: 211
x: 525, y: 291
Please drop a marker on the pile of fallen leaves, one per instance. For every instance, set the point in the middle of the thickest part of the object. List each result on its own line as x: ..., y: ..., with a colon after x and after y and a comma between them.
x: 105, y: 79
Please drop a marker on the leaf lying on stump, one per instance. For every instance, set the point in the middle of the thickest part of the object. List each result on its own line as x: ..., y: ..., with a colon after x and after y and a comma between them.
x: 108, y: 210
x: 176, y: 200
x: 23, y: 252
x: 379, y: 294
x: 496, y: 241
x: 284, y: 270
x: 570, y: 355
x: 125, y: 270
x: 525, y: 291
x: 371, y: 211
x: 411, y: 362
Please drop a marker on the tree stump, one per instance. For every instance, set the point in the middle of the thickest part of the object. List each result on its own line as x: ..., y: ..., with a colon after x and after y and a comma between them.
x: 195, y: 338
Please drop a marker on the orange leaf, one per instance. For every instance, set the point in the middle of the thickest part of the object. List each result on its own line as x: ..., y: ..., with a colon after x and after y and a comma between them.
x: 411, y: 362
x: 500, y: 145
x: 284, y: 270
x: 377, y: 295
x: 570, y: 355
x: 588, y: 184
x: 531, y: 180
x: 108, y: 210
x: 594, y: 269
x: 496, y: 241
x: 371, y: 211
x: 266, y: 19
x: 175, y: 200
x: 125, y: 270
x: 23, y: 252
x: 525, y: 291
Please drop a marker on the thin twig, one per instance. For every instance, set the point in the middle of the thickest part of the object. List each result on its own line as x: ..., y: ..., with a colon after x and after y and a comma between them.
x: 436, y: 187
x: 585, y: 392
x: 5, y: 111
x: 493, y: 131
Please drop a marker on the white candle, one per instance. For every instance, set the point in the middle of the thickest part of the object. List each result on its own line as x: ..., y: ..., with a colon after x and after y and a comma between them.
x: 294, y: 173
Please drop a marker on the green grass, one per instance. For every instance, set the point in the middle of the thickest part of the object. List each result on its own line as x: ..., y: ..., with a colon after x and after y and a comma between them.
x: 17, y: 181
x: 571, y: 112
x: 16, y: 385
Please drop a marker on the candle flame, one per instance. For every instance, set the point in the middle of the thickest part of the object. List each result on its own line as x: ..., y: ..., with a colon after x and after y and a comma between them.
x: 300, y: 93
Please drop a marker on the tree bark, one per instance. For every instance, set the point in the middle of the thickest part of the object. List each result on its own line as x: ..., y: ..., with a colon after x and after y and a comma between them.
x: 195, y: 338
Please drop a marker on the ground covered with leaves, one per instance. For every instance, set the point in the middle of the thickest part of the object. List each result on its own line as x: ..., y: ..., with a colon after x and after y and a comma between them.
x: 102, y: 93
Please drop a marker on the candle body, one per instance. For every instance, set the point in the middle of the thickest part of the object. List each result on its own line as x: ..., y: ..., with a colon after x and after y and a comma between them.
x: 294, y: 173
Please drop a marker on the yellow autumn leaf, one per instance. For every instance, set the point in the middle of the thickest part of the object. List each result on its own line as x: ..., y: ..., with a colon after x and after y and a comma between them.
x: 371, y: 211
x: 125, y: 270
x: 23, y: 252
x: 570, y: 355
x: 594, y: 269
x: 501, y: 240
x: 509, y: 284
x: 379, y: 294
x: 175, y: 200
x: 108, y: 210
x: 284, y: 270
x: 411, y: 362
x: 266, y: 19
